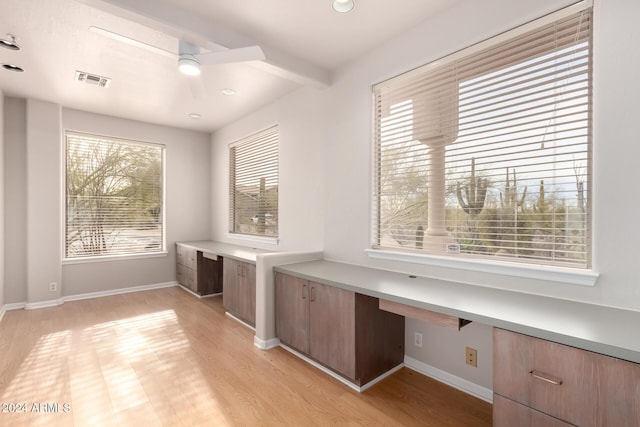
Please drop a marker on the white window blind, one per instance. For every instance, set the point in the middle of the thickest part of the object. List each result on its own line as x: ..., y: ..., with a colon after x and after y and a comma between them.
x: 488, y: 153
x: 253, y: 184
x: 114, y: 197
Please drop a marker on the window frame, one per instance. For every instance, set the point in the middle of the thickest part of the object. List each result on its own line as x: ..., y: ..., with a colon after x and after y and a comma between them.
x: 161, y: 251
x: 532, y: 269
x: 268, y: 135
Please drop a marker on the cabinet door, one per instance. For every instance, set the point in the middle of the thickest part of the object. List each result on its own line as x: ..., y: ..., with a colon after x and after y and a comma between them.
x: 332, y: 328
x: 231, y: 285
x: 248, y: 292
x: 292, y: 311
x: 239, y: 289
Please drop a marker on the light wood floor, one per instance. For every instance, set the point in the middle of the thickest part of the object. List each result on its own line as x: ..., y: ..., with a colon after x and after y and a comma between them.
x: 166, y: 358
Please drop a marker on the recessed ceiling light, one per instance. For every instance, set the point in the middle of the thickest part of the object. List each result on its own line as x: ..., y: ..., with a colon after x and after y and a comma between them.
x: 9, y: 44
x: 228, y: 92
x: 195, y: 116
x: 12, y: 67
x: 343, y: 6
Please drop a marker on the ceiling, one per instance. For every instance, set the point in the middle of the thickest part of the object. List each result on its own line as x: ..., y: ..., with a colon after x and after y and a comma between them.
x: 303, y: 41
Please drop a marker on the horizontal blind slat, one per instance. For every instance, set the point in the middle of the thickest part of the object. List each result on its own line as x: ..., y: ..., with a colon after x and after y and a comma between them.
x: 513, y: 121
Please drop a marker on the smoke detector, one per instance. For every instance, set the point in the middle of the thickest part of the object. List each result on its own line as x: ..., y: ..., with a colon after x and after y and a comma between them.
x: 93, y: 79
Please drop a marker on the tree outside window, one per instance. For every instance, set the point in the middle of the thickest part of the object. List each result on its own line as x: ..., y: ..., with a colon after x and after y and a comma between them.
x: 114, y: 197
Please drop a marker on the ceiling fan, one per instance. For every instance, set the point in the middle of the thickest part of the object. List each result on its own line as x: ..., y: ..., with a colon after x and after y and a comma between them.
x: 189, y: 56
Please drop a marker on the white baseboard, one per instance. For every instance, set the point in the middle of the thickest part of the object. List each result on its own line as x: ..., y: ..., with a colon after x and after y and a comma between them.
x: 449, y: 379
x: 344, y: 381
x: 266, y: 344
x: 89, y: 295
x: 242, y: 322
x: 9, y: 307
x: 99, y: 294
x: 322, y: 368
x: 14, y: 306
x: 381, y: 377
x: 43, y: 304
x: 195, y: 294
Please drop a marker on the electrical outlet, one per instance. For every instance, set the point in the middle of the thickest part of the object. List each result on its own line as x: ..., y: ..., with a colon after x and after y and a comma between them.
x: 53, y: 286
x: 472, y: 357
x: 417, y: 339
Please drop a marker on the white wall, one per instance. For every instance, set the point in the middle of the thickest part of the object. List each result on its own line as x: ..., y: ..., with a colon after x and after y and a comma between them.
x: 2, y: 270
x: 343, y: 116
x: 33, y: 201
x: 301, y: 120
x: 188, y: 201
x: 43, y: 200
x: 15, y: 203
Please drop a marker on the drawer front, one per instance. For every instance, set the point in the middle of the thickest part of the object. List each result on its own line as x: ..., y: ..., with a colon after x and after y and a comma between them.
x: 507, y: 413
x: 186, y: 277
x: 186, y: 256
x: 549, y: 377
x: 577, y: 386
x: 422, y: 314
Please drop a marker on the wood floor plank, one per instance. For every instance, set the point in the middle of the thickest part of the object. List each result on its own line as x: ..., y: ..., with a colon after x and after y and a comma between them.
x: 166, y: 358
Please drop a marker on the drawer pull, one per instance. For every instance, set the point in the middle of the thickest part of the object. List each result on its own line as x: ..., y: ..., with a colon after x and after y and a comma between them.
x: 543, y: 377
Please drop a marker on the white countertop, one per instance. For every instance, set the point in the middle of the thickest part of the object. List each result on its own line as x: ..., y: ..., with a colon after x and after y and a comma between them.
x: 241, y: 253
x: 601, y: 329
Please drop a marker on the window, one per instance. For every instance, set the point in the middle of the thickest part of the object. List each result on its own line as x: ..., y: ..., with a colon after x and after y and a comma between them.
x: 253, y: 184
x: 114, y: 197
x: 487, y: 153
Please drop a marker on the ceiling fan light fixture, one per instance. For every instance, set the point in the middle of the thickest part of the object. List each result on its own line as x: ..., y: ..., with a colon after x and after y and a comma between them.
x: 189, y: 66
x: 343, y: 6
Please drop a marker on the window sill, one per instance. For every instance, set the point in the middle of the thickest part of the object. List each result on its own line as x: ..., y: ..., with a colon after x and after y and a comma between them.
x: 554, y: 274
x: 254, y: 239
x: 109, y: 258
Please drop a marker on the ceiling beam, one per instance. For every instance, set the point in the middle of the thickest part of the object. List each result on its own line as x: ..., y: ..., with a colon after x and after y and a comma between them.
x: 185, y: 25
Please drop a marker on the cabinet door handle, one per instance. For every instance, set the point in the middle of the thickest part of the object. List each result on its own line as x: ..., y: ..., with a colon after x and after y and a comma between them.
x: 305, y: 290
x: 312, y: 299
x: 546, y: 378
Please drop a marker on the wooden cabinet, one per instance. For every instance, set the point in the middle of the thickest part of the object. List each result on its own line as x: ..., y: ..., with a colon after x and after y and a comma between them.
x: 239, y: 289
x: 198, y: 272
x: 573, y: 385
x: 342, y: 330
x: 513, y: 414
x: 292, y: 311
x: 331, y: 327
x: 186, y: 267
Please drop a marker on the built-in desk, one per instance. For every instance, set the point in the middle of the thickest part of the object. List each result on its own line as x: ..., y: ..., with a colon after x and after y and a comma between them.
x: 590, y: 327
x: 211, y: 247
x: 210, y: 268
x: 264, y: 261
x: 556, y: 362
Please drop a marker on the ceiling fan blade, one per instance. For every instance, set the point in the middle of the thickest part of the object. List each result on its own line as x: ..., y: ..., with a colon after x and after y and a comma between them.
x: 132, y: 42
x: 250, y: 53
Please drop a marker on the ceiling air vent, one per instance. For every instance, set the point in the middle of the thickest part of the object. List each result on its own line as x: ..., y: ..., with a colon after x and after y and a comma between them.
x: 92, y: 79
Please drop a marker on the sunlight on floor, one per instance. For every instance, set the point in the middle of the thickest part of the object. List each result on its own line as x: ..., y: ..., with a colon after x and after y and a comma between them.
x: 119, y: 367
